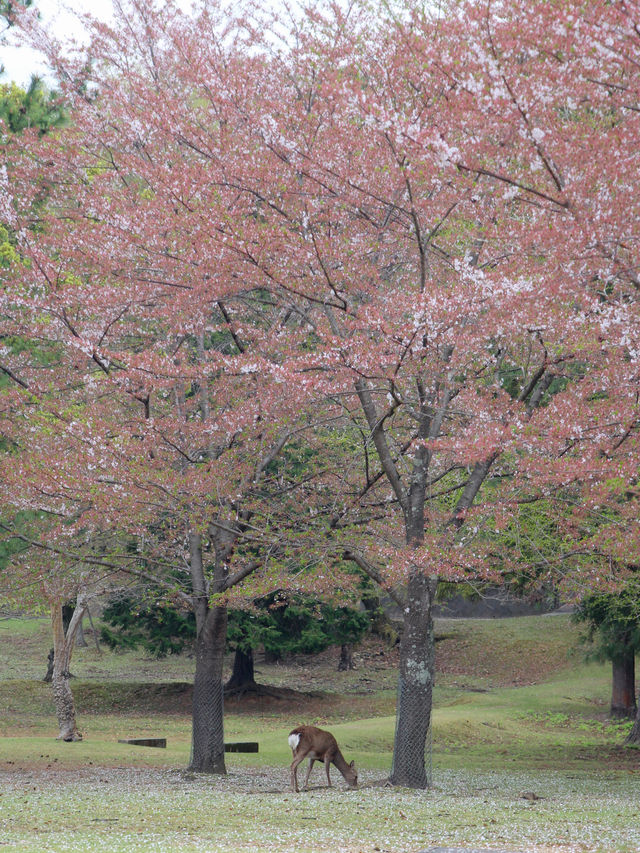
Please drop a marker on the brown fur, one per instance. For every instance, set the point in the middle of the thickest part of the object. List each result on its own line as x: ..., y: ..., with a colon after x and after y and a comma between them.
x: 319, y: 745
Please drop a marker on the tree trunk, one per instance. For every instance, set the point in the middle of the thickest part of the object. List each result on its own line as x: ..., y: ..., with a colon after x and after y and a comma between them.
x: 96, y: 637
x: 623, y: 686
x: 207, y: 744
x: 415, y: 686
x: 81, y: 641
x: 243, y: 674
x: 68, y: 609
x: 207, y: 737
x: 49, y: 673
x: 346, y: 657
x: 62, y: 649
x: 634, y: 735
x: 67, y: 615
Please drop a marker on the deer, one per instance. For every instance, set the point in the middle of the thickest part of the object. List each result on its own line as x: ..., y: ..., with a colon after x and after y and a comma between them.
x: 318, y: 745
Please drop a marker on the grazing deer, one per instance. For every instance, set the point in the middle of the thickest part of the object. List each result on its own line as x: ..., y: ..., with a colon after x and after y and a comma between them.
x: 318, y: 745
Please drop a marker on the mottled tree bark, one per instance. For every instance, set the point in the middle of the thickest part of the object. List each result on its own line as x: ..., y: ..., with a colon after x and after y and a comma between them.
x: 63, y: 642
x: 415, y: 685
x: 207, y: 752
x: 207, y: 738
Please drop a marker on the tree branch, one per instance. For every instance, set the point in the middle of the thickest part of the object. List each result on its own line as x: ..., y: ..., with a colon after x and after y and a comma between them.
x: 380, y: 442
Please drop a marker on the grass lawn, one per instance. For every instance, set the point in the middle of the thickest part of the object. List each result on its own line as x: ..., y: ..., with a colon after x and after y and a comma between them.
x: 524, y: 757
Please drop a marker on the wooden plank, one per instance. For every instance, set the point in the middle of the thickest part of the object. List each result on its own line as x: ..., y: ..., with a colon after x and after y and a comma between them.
x: 247, y: 746
x: 160, y: 742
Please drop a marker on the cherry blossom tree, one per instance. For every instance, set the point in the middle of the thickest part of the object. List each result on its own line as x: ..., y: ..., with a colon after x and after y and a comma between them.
x: 470, y: 271
x: 159, y: 410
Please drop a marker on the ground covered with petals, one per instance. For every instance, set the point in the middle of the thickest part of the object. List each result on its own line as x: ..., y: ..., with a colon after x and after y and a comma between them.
x: 123, y: 809
x: 524, y: 755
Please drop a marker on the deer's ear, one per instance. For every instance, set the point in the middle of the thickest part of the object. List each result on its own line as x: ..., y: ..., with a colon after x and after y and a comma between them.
x: 352, y: 765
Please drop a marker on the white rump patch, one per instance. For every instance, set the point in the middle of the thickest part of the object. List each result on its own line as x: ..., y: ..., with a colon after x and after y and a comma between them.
x: 294, y: 740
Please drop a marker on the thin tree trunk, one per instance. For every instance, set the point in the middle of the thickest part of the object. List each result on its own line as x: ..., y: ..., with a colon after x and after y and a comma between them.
x: 63, y: 643
x: 80, y: 638
x: 49, y: 674
x: 346, y: 657
x: 68, y: 609
x: 623, y: 686
x: 415, y: 686
x: 96, y: 637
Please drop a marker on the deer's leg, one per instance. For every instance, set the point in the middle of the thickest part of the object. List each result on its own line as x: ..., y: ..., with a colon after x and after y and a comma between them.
x: 294, y: 772
x: 327, y: 765
x: 310, y: 768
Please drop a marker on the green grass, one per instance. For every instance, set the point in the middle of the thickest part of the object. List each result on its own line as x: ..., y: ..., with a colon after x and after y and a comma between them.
x: 516, y: 711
